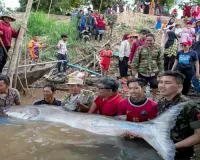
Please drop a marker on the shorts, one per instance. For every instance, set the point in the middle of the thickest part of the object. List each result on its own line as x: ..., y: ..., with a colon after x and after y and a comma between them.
x: 151, y: 80
x: 105, y: 66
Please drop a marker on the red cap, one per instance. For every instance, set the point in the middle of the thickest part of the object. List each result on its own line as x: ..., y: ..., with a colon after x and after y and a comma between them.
x: 189, y: 22
x: 189, y: 43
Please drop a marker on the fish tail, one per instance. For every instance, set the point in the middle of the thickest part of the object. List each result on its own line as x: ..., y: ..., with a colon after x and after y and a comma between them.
x: 159, y: 131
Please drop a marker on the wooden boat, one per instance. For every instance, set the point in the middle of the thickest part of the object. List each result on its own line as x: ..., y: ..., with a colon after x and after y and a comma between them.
x: 33, y: 73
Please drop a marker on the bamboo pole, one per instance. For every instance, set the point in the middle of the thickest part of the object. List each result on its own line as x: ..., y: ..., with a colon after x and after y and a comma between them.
x: 12, y: 66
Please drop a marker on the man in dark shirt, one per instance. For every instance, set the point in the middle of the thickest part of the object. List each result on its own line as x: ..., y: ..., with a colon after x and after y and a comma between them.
x: 186, y: 133
x: 195, y: 81
x: 48, y: 92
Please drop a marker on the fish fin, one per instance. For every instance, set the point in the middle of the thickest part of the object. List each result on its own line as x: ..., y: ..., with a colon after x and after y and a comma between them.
x: 159, y: 131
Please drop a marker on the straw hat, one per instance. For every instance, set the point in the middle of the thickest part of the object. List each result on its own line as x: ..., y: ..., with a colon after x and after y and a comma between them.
x: 75, y: 80
x: 7, y: 15
x: 132, y: 35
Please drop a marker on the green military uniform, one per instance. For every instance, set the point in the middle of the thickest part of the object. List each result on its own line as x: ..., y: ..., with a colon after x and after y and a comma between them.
x: 69, y: 101
x: 148, y: 61
x: 187, y: 122
x: 111, y: 20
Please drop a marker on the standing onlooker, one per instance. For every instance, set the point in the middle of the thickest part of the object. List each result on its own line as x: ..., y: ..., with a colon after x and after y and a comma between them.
x: 100, y: 28
x: 165, y: 10
x: 185, y: 61
x: 171, y: 24
x: 146, y: 6
x: 121, y: 6
x: 197, y: 27
x: 105, y: 59
x: 187, y: 10
x: 178, y: 30
x: 195, y: 81
x: 34, y: 49
x: 171, y: 48
x: 111, y: 20
x: 148, y: 62
x: 158, y: 9
x: 137, y: 43
x: 124, y: 54
x: 114, y: 7
x: 75, y: 14
x: 7, y: 32
x: 89, y: 20
x: 81, y: 23
x: 62, y: 53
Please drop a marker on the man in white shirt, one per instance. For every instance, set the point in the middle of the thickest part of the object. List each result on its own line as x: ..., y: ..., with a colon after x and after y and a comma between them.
x: 62, y: 54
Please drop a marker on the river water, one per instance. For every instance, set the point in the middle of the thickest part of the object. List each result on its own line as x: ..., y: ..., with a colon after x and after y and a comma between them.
x: 21, y: 140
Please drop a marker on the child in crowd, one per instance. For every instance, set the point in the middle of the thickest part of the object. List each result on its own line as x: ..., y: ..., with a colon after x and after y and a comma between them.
x: 178, y: 30
x: 34, y: 49
x: 164, y: 24
x: 105, y: 59
x: 86, y: 34
x: 62, y: 54
x: 159, y: 23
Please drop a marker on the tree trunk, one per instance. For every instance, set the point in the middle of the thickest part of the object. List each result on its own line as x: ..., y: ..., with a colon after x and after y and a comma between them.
x: 16, y: 52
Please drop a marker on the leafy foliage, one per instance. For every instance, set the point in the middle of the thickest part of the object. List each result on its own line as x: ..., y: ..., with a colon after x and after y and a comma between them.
x: 2, y: 7
x: 58, y: 6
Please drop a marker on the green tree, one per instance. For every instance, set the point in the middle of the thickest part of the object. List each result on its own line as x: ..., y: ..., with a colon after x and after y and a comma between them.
x: 58, y: 6
x: 169, y: 3
x: 105, y: 4
x: 2, y: 6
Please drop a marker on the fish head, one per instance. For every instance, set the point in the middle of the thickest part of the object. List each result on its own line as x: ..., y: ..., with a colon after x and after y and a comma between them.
x: 30, y: 113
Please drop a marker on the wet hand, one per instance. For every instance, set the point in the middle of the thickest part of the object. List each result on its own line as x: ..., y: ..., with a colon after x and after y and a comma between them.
x: 130, y: 135
x: 197, y: 75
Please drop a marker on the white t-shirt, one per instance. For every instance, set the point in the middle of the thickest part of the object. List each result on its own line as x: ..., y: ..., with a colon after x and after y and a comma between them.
x: 62, y: 47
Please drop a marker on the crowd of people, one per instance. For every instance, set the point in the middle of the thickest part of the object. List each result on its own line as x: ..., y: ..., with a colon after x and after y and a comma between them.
x: 170, y: 73
x: 92, y: 24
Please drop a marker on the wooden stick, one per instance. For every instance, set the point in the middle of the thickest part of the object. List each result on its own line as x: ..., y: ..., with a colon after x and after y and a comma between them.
x: 12, y: 66
x: 49, y: 8
x: 100, y: 6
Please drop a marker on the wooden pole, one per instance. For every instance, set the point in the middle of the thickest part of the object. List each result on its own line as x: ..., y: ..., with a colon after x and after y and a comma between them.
x: 12, y: 66
x: 50, y: 8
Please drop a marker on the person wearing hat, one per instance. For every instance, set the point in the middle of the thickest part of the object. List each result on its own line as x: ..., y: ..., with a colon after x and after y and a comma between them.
x: 185, y: 61
x: 137, y: 43
x: 124, y: 54
x: 7, y: 32
x: 77, y: 99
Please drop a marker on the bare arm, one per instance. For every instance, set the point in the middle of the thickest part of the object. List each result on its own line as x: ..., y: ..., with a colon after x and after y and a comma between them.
x: 92, y: 108
x: 190, y: 141
x: 175, y: 64
x: 197, y: 68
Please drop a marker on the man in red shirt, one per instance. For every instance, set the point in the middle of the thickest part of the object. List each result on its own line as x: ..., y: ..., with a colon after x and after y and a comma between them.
x: 187, y: 10
x: 6, y: 33
x: 137, y: 43
x: 137, y: 108
x: 108, y: 99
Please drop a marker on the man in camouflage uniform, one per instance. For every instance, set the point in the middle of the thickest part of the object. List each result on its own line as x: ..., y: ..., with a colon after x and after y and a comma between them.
x: 77, y: 99
x: 111, y: 20
x: 148, y: 62
x: 186, y: 133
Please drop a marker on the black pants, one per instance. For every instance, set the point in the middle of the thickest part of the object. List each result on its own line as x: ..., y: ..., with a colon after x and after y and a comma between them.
x: 123, y: 67
x: 187, y: 81
x: 184, y: 153
x: 3, y: 57
x: 168, y: 62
